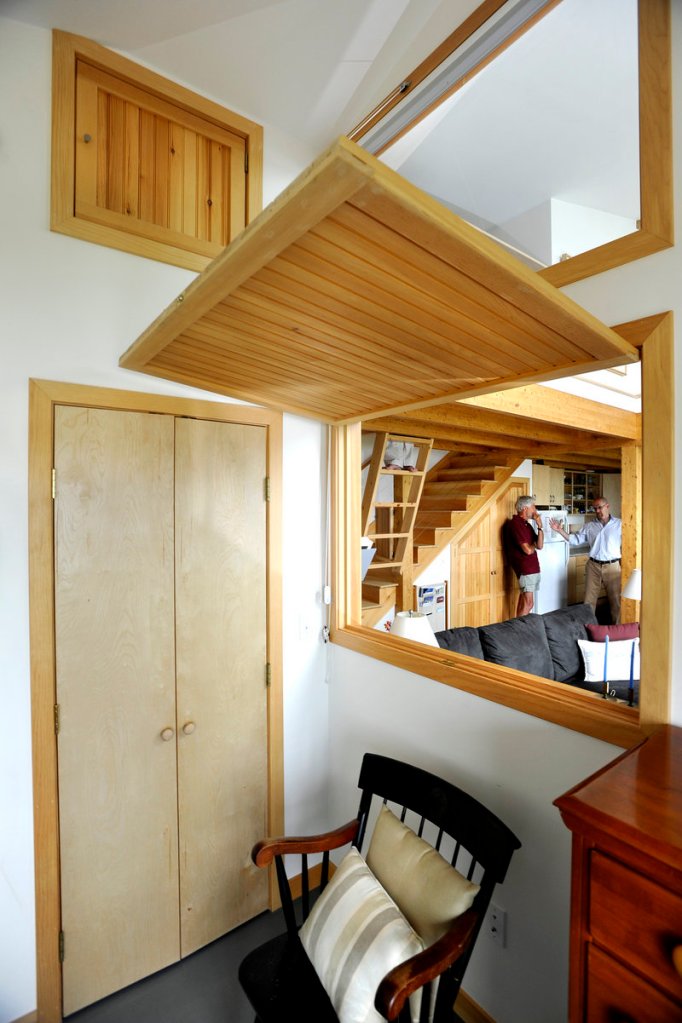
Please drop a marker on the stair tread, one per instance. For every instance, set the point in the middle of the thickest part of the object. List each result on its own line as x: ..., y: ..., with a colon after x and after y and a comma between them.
x: 395, y: 504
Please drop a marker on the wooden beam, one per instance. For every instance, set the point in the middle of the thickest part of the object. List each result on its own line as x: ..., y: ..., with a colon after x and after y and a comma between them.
x: 480, y: 422
x: 541, y: 404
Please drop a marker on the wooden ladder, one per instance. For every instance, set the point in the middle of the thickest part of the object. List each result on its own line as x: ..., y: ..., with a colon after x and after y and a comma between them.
x: 394, y: 520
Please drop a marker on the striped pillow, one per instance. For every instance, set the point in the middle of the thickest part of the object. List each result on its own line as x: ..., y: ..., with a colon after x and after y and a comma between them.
x: 354, y: 935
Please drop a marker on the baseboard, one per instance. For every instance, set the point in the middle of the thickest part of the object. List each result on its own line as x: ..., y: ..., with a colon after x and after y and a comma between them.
x: 470, y: 1011
x: 314, y: 875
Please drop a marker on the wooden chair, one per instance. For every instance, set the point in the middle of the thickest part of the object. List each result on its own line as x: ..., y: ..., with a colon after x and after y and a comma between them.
x: 278, y: 977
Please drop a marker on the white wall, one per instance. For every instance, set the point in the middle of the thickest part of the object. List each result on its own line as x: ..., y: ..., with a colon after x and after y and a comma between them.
x: 515, y: 763
x: 68, y: 310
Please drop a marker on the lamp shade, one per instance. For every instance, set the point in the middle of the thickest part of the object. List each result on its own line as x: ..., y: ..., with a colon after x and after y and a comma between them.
x: 413, y: 625
x: 633, y: 587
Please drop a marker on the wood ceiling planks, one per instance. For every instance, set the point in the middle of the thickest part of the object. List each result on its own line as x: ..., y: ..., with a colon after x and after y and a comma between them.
x: 356, y: 295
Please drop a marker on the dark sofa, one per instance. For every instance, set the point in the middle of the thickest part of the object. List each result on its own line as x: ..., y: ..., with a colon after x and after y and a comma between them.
x: 541, y: 644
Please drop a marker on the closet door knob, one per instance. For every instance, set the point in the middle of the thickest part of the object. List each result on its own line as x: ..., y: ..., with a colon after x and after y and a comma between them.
x: 167, y: 734
x: 188, y: 727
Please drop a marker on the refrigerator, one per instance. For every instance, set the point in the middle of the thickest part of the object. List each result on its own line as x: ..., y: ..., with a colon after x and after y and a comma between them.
x: 553, y: 557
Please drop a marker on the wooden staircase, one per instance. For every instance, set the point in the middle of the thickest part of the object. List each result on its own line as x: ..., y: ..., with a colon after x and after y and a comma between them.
x: 455, y: 491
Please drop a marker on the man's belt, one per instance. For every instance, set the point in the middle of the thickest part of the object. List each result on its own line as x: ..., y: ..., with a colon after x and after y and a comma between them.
x: 611, y: 562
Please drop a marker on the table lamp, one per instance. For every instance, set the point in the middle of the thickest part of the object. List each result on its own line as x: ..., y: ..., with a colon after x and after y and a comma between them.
x: 413, y: 625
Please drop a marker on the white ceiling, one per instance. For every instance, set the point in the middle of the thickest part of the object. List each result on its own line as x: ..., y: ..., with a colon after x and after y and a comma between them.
x: 310, y: 68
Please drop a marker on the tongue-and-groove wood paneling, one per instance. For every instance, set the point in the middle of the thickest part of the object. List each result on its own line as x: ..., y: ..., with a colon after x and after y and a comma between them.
x: 355, y: 294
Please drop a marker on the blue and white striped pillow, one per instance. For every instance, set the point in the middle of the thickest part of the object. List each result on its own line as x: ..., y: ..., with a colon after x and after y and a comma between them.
x: 354, y: 935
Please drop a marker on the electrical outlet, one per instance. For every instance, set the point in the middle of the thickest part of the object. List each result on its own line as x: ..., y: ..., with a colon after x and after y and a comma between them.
x: 497, y: 925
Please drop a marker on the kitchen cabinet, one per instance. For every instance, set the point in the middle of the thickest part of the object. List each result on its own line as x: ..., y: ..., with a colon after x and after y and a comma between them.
x: 580, y: 490
x: 160, y: 631
x: 576, y: 579
x: 548, y: 484
x: 626, y: 901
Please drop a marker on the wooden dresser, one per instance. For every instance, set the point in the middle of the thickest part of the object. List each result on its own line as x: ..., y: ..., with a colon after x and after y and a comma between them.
x: 626, y: 888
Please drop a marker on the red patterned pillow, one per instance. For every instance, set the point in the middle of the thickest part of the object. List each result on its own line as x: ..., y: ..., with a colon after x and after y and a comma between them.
x: 598, y: 633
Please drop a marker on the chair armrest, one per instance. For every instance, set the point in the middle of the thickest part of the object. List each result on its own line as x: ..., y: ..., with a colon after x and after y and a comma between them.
x: 265, y: 851
x: 408, y: 977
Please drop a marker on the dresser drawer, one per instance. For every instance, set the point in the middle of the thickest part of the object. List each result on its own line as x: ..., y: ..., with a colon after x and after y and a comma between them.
x: 614, y: 995
x: 636, y: 920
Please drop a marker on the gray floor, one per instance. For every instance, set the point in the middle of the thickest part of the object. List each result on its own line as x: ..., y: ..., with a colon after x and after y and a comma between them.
x: 200, y: 989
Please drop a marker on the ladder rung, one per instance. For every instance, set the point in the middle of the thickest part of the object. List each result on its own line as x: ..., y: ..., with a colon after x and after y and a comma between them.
x: 388, y: 536
x: 410, y: 440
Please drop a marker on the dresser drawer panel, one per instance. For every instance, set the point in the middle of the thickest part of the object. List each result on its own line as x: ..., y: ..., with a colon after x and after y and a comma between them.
x: 636, y: 920
x: 614, y: 995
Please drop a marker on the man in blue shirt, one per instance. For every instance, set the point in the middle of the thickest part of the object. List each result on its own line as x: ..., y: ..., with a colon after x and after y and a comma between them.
x: 603, y: 564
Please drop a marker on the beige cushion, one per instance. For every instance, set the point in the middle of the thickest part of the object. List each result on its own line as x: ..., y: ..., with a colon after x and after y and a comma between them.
x: 429, y: 891
x: 354, y: 935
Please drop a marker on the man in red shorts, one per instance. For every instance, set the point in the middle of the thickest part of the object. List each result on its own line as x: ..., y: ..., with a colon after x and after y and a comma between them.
x: 521, y: 544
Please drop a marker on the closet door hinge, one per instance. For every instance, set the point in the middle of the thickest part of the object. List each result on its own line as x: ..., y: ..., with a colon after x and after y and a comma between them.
x: 268, y: 674
x: 61, y: 946
x: 54, y: 484
x: 56, y: 719
x: 267, y: 488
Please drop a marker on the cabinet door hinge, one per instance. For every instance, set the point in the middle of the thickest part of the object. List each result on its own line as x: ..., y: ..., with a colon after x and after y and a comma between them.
x: 56, y: 719
x: 267, y: 488
x: 61, y: 946
x: 54, y: 484
x: 268, y: 674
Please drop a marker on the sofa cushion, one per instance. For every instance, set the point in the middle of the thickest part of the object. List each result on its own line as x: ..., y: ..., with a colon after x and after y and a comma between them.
x: 464, y: 640
x: 620, y: 659
x: 598, y: 633
x: 519, y: 643
x: 564, y: 628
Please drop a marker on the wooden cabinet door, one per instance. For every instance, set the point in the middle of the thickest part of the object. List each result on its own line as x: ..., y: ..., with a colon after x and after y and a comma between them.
x: 114, y: 623
x: 505, y: 583
x: 541, y: 483
x: 221, y: 656
x: 153, y: 170
x: 472, y: 575
x: 485, y: 589
x: 160, y: 587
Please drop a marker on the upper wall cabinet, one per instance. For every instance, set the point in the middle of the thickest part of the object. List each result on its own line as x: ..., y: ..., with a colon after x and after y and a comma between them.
x: 142, y: 164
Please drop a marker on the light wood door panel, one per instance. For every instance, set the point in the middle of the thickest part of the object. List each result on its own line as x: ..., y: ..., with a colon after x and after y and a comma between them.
x: 114, y: 622
x: 221, y: 656
x: 485, y: 590
x: 155, y: 169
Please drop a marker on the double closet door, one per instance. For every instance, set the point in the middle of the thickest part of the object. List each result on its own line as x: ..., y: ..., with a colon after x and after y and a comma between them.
x: 160, y: 621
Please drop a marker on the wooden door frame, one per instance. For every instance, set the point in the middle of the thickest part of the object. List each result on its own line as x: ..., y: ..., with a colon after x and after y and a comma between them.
x: 43, y: 396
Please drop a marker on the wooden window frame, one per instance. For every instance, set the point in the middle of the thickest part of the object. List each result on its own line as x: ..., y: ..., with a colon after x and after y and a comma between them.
x: 552, y: 701
x: 656, y: 230
x: 67, y: 50
x: 44, y: 395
